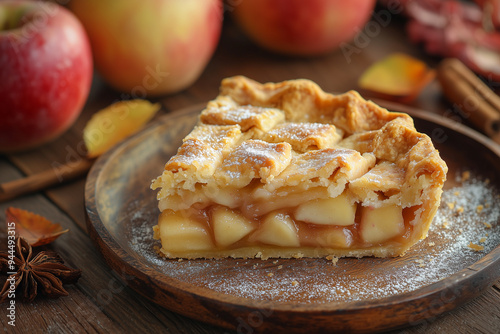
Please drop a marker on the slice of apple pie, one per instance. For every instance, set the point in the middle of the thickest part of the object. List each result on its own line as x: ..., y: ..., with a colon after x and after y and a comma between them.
x: 287, y: 170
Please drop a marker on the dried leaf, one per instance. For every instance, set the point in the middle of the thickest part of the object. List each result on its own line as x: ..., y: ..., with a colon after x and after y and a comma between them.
x: 398, y: 76
x: 116, y: 122
x: 36, y: 229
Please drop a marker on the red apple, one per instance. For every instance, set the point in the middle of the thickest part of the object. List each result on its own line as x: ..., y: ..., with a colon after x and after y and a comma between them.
x: 299, y: 27
x: 151, y: 47
x: 45, y: 72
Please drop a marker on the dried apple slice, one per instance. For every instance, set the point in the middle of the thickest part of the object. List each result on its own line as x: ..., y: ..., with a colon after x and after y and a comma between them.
x: 111, y: 125
x: 398, y: 76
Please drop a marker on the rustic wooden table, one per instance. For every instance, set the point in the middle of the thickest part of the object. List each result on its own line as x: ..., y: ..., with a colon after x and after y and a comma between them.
x: 100, y: 302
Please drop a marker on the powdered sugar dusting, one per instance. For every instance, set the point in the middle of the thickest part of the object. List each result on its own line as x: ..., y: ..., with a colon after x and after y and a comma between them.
x: 300, y: 132
x: 468, y: 213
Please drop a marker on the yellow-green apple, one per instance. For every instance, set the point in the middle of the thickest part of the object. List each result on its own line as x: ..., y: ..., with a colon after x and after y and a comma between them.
x: 151, y: 47
x: 45, y: 72
x: 298, y: 27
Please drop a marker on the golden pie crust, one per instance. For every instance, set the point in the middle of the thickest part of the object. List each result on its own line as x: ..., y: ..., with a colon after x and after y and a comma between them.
x: 287, y: 170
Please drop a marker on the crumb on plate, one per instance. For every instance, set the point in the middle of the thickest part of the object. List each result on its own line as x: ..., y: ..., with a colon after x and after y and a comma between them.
x: 333, y: 259
x: 475, y: 247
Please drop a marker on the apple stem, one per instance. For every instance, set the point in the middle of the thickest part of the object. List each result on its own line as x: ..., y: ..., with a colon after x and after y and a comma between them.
x: 3, y: 18
x: 11, y: 18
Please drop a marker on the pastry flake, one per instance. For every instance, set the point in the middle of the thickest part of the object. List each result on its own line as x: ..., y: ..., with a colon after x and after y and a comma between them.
x: 287, y: 170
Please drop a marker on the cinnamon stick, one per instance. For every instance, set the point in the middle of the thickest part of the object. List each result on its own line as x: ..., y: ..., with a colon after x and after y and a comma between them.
x: 45, y: 179
x: 466, y: 91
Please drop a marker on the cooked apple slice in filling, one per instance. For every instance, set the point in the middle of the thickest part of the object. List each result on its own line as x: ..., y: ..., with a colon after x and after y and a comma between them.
x: 328, y: 211
x: 229, y: 226
x: 179, y: 233
x: 332, y: 237
x: 278, y: 229
x: 381, y: 224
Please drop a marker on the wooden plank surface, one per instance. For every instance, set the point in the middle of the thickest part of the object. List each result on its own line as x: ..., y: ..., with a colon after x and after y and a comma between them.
x: 100, y: 303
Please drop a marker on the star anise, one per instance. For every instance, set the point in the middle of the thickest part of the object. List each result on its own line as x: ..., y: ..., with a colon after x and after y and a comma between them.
x: 43, y: 272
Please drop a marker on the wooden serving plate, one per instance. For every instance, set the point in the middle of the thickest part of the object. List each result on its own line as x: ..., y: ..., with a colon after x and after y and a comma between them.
x: 293, y: 295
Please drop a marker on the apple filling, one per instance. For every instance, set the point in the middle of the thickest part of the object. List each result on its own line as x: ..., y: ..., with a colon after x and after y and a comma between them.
x: 320, y: 225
